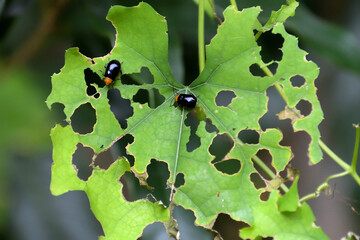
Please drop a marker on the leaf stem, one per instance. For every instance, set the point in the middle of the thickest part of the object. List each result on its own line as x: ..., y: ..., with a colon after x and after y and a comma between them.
x: 356, y: 147
x: 268, y: 171
x: 201, y: 41
x: 257, y: 35
x: 322, y: 187
x: 233, y: 3
x: 267, y: 71
x: 152, y: 98
x: 349, y: 169
x: 256, y: 159
x: 331, y: 154
x: 177, y: 156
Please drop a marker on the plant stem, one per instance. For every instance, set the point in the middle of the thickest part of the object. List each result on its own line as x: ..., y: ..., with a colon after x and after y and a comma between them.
x: 348, y: 169
x: 151, y: 98
x: 267, y: 71
x: 201, y: 41
x: 267, y: 170
x: 233, y: 3
x: 322, y: 186
x: 356, y: 147
x: 331, y: 154
x: 257, y: 35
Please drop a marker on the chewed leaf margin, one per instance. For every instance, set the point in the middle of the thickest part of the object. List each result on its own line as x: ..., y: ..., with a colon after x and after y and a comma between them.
x: 103, y: 190
x: 294, y: 63
x: 161, y: 134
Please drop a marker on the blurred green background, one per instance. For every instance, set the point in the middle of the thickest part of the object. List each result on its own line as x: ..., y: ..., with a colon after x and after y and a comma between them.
x: 34, y: 35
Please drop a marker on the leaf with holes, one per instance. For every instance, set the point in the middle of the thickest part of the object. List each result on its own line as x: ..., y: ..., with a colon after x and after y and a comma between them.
x: 294, y: 63
x: 120, y: 219
x: 281, y: 15
x: 160, y: 131
x: 208, y: 192
x: 229, y: 56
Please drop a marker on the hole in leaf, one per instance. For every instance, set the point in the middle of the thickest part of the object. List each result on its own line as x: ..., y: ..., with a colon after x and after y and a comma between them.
x: 266, y: 158
x: 297, y: 81
x: 158, y: 173
x: 210, y: 127
x: 220, y: 147
x: 264, y: 196
x: 144, y: 96
x: 224, y: 98
x: 91, y: 90
x: 194, y: 140
x: 104, y: 159
x: 83, y: 119
x: 91, y: 78
x: 58, y: 114
x: 120, y: 107
x: 275, y: 105
x: 154, y: 231
x: 230, y: 166
x: 96, y: 95
x: 267, y: 238
x: 249, y: 136
x: 82, y: 159
x: 190, y: 62
x: 271, y: 45
x: 257, y: 180
x: 130, y: 80
x: 227, y: 227
x: 305, y: 107
x: 283, y: 173
x: 256, y: 71
x: 273, y: 67
x: 187, y: 227
x: 132, y: 190
x: 118, y: 149
x: 180, y: 180
x: 144, y: 76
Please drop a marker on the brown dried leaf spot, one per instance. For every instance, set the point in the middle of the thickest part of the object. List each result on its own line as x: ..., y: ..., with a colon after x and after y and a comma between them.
x: 290, y: 113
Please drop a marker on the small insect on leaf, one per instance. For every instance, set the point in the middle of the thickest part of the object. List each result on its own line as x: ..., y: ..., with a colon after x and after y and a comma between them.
x: 187, y: 101
x: 112, y: 70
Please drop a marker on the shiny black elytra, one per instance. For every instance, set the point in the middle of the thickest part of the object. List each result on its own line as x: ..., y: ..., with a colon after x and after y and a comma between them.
x: 112, y: 70
x: 188, y: 101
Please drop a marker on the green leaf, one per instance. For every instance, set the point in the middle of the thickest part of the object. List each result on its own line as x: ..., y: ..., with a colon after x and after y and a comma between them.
x: 69, y: 87
x: 234, y: 45
x: 120, y: 219
x: 63, y: 174
x: 294, y: 63
x: 146, y: 46
x: 208, y: 192
x: 281, y: 15
x: 283, y: 226
x: 289, y: 202
x: 160, y: 133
